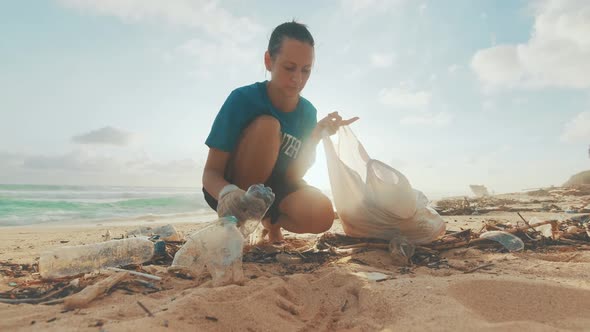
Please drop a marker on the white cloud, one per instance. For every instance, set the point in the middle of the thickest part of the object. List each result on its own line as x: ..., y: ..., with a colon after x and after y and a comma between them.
x: 10, y: 159
x: 498, y: 66
x: 204, y: 14
x: 382, y: 60
x: 79, y: 160
x: 85, y: 166
x: 440, y: 119
x: 404, y: 98
x: 577, y: 129
x: 556, y: 54
x: 86, y: 161
x: 105, y: 136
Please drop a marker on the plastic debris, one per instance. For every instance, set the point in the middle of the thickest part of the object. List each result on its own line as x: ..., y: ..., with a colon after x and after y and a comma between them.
x: 166, y: 233
x: 218, y: 248
x: 509, y: 241
x: 69, y: 261
x: 373, y: 276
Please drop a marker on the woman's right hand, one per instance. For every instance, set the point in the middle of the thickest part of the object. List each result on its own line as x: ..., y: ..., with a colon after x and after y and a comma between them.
x: 233, y: 202
x: 332, y: 122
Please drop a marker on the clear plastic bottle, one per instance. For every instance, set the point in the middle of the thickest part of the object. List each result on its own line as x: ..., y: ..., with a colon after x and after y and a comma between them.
x: 72, y: 260
x: 256, y: 211
x: 165, y: 232
x: 217, y: 247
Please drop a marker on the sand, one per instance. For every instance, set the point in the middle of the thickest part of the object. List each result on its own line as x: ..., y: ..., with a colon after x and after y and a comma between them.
x: 526, y: 291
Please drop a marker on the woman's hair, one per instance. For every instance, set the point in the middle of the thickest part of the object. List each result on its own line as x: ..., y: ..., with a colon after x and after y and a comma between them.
x: 286, y: 30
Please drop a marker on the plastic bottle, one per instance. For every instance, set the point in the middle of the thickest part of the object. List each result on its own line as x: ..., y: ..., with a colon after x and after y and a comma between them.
x: 165, y: 232
x: 72, y: 260
x: 256, y: 211
x: 218, y: 248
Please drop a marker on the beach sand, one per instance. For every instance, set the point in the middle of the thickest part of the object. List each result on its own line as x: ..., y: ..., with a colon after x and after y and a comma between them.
x: 543, y: 290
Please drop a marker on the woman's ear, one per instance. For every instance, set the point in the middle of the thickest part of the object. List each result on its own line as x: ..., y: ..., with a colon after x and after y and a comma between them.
x: 267, y: 61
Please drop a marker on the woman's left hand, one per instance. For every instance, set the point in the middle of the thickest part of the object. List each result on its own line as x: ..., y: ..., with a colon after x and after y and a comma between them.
x: 332, y: 122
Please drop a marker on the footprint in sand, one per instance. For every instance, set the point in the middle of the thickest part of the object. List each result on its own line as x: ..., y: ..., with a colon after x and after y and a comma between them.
x: 504, y: 300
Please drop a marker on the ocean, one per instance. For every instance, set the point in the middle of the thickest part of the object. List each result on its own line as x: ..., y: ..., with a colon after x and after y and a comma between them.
x: 47, y: 204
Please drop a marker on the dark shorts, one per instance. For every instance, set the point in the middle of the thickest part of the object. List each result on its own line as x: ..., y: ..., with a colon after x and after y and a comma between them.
x: 281, y: 188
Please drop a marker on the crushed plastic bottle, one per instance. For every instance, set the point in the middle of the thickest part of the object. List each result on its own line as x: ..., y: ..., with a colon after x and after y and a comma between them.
x: 72, y: 260
x: 218, y: 248
x: 545, y: 230
x: 510, y: 241
x: 257, y: 211
x: 165, y: 233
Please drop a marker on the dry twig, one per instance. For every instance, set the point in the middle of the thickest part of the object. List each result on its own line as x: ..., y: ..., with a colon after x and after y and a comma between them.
x: 88, y: 294
x: 145, y: 309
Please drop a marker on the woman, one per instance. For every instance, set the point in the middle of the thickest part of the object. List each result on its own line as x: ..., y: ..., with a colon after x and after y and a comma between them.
x: 267, y: 133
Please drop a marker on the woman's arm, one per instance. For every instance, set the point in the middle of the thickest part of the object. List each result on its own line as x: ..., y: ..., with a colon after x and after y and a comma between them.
x: 306, y: 158
x: 213, y: 174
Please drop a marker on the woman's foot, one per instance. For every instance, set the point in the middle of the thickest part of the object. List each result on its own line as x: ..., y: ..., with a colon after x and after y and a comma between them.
x: 273, y: 231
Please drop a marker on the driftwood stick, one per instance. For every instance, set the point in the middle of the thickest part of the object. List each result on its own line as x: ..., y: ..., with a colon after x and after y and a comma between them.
x: 139, y: 274
x: 479, y: 267
x: 527, y: 223
x: 422, y: 249
x: 36, y: 300
x: 521, y: 217
x: 524, y: 228
x: 88, y: 294
x: 145, y: 309
x: 366, y: 245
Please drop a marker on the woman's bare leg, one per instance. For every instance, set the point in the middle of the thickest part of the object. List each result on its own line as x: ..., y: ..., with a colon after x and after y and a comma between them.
x: 256, y: 153
x: 255, y: 158
x: 306, y: 211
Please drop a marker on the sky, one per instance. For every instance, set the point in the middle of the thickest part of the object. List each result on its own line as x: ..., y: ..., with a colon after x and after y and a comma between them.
x: 124, y: 92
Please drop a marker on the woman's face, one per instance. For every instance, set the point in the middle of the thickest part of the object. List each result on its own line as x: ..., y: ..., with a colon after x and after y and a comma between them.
x: 291, y: 66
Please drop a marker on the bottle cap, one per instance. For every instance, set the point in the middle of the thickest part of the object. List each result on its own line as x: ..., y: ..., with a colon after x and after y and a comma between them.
x: 159, y: 248
x: 231, y: 219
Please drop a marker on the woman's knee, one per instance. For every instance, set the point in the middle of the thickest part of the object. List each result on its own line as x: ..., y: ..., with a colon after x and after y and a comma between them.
x: 264, y: 125
x: 308, y: 211
x: 322, y: 216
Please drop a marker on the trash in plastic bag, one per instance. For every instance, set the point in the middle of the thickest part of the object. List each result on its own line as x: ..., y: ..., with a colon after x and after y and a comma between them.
x: 374, y: 199
x: 401, y: 250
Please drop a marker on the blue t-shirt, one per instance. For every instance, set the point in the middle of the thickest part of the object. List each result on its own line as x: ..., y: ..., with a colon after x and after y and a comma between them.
x: 247, y: 103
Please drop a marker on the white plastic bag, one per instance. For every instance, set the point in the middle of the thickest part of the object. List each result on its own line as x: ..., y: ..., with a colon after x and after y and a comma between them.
x: 374, y: 199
